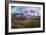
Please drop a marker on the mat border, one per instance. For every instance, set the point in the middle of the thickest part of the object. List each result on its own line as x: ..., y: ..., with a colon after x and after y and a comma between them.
x: 6, y: 17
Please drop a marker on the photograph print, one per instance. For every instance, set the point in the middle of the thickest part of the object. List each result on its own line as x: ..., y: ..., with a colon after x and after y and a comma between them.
x: 25, y: 17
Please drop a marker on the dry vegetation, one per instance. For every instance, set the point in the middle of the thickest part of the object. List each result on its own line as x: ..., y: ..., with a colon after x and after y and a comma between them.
x: 24, y: 23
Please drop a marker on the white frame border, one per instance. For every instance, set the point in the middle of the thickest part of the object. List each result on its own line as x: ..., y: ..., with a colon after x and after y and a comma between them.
x: 24, y: 29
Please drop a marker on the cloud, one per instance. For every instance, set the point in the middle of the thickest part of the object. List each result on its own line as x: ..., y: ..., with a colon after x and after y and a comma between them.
x: 31, y: 11
x: 17, y: 9
x: 34, y: 11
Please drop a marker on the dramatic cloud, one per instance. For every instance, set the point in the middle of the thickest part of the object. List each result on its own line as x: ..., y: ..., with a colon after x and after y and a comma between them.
x: 27, y: 11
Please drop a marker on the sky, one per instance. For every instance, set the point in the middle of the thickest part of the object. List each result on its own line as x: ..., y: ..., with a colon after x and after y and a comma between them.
x: 16, y: 9
x: 26, y: 10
